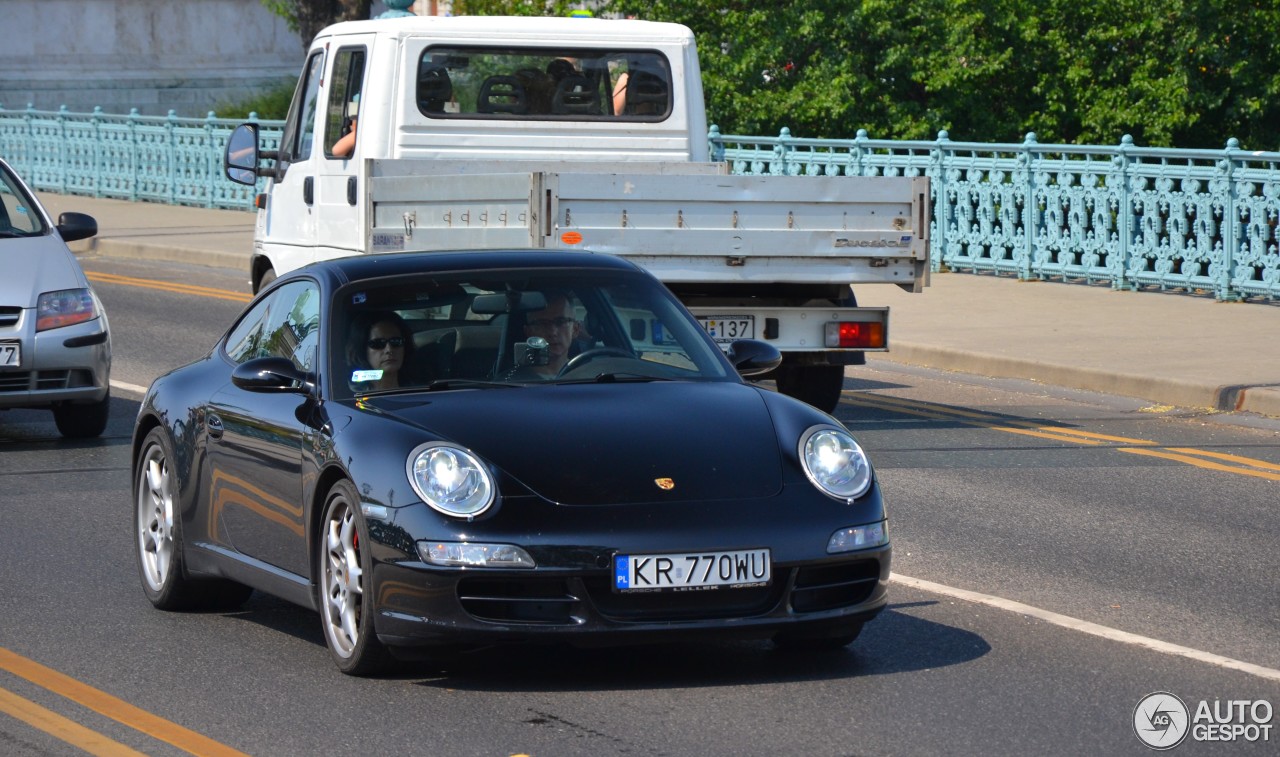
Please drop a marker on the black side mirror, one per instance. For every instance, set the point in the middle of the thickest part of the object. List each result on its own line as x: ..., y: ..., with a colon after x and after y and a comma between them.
x: 241, y: 159
x: 271, y: 375
x: 74, y: 226
x: 752, y: 357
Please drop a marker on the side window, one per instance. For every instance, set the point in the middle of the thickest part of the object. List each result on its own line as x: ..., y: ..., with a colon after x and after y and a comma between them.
x: 344, y: 102
x: 305, y: 109
x: 292, y: 325
x: 245, y: 338
x: 286, y: 324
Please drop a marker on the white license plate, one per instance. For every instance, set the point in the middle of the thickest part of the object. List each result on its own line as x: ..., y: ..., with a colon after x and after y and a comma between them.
x: 727, y: 328
x: 10, y: 354
x: 692, y: 571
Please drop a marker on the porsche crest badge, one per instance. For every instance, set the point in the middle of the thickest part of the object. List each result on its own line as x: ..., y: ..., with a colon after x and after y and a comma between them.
x: 665, y: 483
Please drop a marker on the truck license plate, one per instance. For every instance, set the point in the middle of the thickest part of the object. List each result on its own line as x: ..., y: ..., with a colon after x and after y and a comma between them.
x: 10, y: 354
x: 691, y: 572
x: 727, y: 328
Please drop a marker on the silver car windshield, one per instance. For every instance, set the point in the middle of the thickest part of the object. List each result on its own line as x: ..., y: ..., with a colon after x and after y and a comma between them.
x: 18, y: 216
x: 515, y: 328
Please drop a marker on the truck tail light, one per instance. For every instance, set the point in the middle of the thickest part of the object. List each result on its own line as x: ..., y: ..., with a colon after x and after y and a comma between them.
x: 868, y: 335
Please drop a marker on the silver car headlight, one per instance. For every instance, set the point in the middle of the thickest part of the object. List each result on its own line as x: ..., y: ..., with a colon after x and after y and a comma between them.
x: 65, y: 307
x: 835, y: 463
x: 450, y: 479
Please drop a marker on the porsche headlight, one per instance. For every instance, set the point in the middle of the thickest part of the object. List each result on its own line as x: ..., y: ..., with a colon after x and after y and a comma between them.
x: 835, y: 463
x: 450, y: 479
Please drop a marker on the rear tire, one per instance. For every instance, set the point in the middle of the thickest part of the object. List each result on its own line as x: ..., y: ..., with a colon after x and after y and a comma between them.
x: 158, y: 537
x: 817, y: 385
x: 345, y: 569
x: 83, y: 421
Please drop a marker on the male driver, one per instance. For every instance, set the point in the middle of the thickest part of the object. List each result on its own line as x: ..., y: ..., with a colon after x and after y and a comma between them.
x: 557, y: 325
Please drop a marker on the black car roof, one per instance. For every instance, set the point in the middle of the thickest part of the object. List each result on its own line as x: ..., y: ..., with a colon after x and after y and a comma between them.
x: 360, y: 267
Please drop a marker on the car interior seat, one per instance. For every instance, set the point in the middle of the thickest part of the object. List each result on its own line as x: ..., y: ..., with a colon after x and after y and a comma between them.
x: 576, y: 94
x: 502, y: 94
x: 434, y: 89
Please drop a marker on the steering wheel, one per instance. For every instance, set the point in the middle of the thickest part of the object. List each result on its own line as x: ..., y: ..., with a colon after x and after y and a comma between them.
x: 583, y: 358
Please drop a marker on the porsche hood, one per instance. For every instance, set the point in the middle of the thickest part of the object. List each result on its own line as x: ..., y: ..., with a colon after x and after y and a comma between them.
x: 580, y: 445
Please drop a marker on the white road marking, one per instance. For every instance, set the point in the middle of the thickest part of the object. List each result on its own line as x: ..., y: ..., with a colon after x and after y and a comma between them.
x: 130, y: 388
x: 1085, y: 626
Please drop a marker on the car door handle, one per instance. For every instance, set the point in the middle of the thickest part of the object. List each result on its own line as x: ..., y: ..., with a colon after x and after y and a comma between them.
x: 214, y: 424
x: 309, y: 190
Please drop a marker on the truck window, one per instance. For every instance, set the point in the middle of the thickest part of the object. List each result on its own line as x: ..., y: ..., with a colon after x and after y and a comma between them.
x: 344, y: 100
x: 567, y: 84
x: 300, y: 126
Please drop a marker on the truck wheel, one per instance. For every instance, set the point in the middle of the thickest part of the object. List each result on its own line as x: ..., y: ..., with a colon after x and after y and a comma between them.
x: 818, y: 385
x: 265, y: 280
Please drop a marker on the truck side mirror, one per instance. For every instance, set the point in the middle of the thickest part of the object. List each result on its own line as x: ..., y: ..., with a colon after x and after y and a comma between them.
x: 242, y: 155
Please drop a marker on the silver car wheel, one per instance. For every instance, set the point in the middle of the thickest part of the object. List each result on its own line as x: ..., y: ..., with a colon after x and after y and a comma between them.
x: 155, y: 518
x: 343, y: 595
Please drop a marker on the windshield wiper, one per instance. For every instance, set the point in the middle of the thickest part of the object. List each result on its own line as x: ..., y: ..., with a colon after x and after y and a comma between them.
x: 444, y: 384
x: 613, y: 377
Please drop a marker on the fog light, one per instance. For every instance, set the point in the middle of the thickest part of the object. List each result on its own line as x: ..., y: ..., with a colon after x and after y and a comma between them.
x: 859, y: 537
x: 865, y: 334
x: 452, y: 554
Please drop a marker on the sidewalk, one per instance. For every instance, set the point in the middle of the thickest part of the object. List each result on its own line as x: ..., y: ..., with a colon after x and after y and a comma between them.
x: 1170, y: 349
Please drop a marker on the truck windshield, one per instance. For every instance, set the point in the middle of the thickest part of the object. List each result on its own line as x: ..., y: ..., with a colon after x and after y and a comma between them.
x: 544, y: 83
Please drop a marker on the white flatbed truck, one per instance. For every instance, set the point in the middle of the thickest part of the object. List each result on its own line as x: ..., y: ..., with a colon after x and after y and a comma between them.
x: 582, y: 134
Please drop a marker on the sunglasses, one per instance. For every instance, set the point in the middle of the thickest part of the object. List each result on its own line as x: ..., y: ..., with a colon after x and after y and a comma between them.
x: 377, y: 344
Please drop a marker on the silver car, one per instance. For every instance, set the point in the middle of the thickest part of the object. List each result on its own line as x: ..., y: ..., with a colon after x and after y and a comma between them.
x: 55, y: 348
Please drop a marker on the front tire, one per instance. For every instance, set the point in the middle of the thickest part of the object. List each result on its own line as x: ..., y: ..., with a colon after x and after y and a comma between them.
x: 83, y: 421
x: 346, y: 577
x: 265, y: 280
x: 158, y: 532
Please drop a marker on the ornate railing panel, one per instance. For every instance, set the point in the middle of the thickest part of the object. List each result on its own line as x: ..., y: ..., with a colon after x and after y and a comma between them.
x: 156, y: 158
x: 1200, y: 220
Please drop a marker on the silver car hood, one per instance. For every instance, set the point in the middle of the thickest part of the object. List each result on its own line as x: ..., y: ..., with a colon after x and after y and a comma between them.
x: 34, y: 265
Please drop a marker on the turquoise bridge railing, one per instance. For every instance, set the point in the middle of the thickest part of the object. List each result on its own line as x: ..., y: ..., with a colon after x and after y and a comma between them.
x: 1133, y: 217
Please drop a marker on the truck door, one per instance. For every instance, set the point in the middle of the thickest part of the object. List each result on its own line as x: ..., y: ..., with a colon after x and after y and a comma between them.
x: 337, y: 196
x: 290, y: 231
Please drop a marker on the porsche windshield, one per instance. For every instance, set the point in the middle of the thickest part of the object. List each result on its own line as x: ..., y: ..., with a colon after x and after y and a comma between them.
x: 515, y: 327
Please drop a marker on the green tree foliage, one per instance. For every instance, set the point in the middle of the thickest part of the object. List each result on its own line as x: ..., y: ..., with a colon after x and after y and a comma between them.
x: 306, y: 17
x: 1186, y: 73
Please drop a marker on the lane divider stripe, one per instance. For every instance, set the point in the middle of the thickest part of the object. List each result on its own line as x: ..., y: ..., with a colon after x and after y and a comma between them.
x: 61, y: 728
x: 169, y: 286
x: 1084, y: 626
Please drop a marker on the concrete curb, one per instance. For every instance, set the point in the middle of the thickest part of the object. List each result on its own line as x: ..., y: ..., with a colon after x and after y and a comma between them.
x: 120, y: 248
x: 1263, y: 400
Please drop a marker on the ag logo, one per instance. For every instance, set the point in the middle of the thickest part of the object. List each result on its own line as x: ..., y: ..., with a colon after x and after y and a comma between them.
x: 1160, y: 720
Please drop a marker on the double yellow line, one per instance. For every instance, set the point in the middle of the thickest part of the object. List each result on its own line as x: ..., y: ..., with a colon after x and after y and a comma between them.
x: 100, y: 702
x: 168, y: 286
x: 1216, y: 461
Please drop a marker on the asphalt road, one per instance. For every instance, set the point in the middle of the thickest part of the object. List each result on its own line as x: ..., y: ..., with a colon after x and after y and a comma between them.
x: 1101, y: 516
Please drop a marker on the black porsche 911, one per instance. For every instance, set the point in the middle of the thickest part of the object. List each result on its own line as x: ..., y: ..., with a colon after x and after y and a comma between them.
x: 451, y: 450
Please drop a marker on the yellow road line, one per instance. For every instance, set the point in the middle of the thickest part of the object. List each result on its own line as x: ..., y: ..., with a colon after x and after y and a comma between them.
x: 168, y: 286
x: 116, y: 709
x: 62, y: 728
x: 1187, y: 455
x: 1197, y: 462
x: 1225, y: 456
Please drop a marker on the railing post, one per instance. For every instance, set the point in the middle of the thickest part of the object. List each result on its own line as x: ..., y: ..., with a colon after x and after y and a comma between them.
x: 133, y: 154
x: 715, y: 146
x: 1030, y: 208
x: 96, y: 120
x: 171, y: 162
x: 211, y: 161
x: 1231, y: 226
x: 859, y: 150
x: 62, y: 149
x: 780, y: 151
x: 941, y: 202
x: 1125, y: 217
x: 29, y: 116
